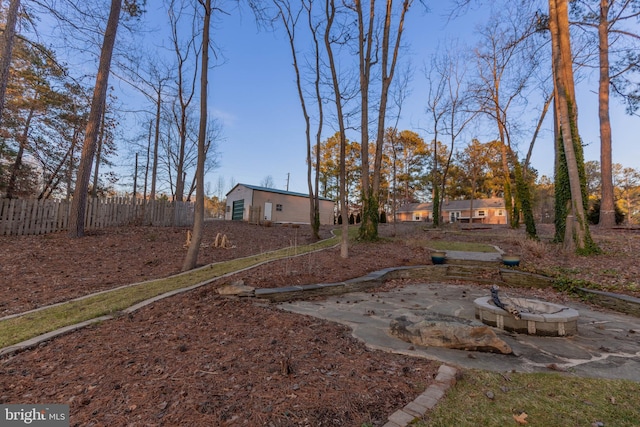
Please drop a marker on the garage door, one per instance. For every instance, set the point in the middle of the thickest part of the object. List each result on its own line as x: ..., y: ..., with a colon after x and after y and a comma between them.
x: 238, y: 210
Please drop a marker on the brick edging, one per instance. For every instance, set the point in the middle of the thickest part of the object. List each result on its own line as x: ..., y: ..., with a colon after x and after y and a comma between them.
x: 445, y: 379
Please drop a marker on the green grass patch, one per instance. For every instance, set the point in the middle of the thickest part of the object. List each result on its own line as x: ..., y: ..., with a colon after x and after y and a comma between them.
x: 550, y: 400
x: 27, y: 326
x: 442, y: 245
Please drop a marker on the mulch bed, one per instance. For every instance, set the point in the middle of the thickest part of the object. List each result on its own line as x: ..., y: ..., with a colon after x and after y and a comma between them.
x: 199, y: 359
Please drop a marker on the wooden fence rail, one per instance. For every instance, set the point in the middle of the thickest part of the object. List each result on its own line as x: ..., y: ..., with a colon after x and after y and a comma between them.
x: 29, y: 216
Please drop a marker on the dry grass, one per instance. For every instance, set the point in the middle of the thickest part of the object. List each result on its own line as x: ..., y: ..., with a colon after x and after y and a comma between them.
x: 534, y: 249
x: 551, y: 400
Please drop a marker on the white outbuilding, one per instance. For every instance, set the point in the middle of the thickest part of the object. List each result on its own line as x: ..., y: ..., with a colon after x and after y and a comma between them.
x: 260, y: 204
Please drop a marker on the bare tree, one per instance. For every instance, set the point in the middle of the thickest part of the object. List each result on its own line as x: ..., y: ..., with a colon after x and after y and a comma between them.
x: 290, y: 19
x: 507, y: 60
x: 267, y: 182
x: 214, y: 135
x: 186, y: 87
x: 198, y: 222
x: 330, y: 14
x: 436, y: 107
x: 151, y: 80
x: 449, y: 106
x: 388, y: 52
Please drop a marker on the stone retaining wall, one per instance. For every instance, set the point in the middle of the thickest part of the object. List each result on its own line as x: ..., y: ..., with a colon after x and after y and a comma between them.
x: 434, y: 273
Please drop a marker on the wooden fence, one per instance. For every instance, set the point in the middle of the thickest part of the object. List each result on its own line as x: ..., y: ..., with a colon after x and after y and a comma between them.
x: 29, y: 216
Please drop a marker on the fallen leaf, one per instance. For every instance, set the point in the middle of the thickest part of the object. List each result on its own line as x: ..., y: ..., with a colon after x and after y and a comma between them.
x: 555, y: 367
x: 521, y: 419
x: 612, y: 400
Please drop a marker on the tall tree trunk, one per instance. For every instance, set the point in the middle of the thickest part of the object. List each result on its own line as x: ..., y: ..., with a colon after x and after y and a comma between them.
x: 146, y: 168
x: 607, y: 202
x: 289, y: 21
x: 180, y: 173
x: 78, y: 205
x: 6, y: 49
x: 388, y: 71
x: 512, y: 219
x: 96, y: 172
x: 156, y: 143
x: 577, y: 229
x: 315, y: 218
x: 135, y: 179
x: 74, y: 142
x: 330, y: 10
x: 198, y: 220
x: 369, y: 218
x: 186, y: 90
x: 17, y: 164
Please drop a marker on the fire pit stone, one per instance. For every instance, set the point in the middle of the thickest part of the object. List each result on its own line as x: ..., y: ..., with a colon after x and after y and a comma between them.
x: 536, y: 317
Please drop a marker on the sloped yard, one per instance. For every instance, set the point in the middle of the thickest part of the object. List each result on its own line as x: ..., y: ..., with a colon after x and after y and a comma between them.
x: 200, y: 359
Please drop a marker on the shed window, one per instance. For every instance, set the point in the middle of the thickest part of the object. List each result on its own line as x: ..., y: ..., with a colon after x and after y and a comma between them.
x: 279, y: 208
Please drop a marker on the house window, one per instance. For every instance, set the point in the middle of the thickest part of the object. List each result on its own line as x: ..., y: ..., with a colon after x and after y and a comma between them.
x: 279, y: 208
x: 500, y: 212
x: 454, y: 216
x: 481, y: 213
x: 417, y: 218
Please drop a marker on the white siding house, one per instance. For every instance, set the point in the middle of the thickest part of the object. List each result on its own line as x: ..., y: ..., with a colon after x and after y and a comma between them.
x: 258, y: 204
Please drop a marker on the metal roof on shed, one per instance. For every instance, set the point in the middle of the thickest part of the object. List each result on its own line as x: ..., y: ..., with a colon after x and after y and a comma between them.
x: 275, y: 190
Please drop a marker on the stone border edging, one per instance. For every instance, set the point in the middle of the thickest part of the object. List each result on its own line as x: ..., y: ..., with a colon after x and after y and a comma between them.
x: 621, y: 303
x: 510, y: 277
x: 445, y: 379
x: 37, y: 340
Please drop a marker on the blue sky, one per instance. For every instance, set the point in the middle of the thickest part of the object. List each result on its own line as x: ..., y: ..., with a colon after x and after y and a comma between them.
x: 254, y: 95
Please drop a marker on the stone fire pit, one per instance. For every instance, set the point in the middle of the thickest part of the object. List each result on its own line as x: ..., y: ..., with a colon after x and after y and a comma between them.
x: 537, y: 317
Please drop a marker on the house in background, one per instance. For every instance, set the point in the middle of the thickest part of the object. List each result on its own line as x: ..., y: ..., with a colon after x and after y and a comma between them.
x: 259, y: 204
x: 485, y: 211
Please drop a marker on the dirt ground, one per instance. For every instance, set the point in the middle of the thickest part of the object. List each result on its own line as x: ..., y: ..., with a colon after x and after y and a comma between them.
x: 198, y: 359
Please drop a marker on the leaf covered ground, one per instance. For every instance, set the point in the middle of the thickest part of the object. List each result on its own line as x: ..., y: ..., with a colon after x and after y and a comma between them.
x: 200, y: 359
